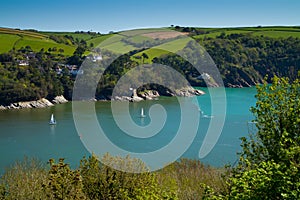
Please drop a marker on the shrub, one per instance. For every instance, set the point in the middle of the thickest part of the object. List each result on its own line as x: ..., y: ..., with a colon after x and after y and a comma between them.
x: 103, y: 182
x: 269, y: 166
x: 24, y: 180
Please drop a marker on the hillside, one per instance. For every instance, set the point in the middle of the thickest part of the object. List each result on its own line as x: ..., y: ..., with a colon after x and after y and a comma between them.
x: 65, y: 43
x: 274, y: 32
x: 16, y: 38
x: 37, y: 64
x: 201, y: 34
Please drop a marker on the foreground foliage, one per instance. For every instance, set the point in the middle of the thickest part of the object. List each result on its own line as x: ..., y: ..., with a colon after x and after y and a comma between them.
x: 30, y: 179
x: 269, y: 165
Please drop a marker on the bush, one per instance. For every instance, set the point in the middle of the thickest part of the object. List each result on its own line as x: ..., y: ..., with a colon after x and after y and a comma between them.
x: 269, y: 166
x: 192, y: 178
x: 103, y: 182
x: 24, y: 180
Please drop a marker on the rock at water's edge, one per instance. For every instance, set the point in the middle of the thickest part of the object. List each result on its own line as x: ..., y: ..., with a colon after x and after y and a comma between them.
x: 149, y: 94
x: 41, y: 103
x: 59, y: 99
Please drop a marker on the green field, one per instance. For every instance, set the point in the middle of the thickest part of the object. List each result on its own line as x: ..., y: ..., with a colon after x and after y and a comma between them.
x: 38, y: 44
x: 152, y: 53
x: 118, y: 47
x: 172, y: 46
x: 114, y: 43
x: 7, y: 41
x: 22, y: 33
x: 278, y: 34
x: 80, y: 36
x: 15, y: 38
x: 140, y: 39
x: 273, y: 32
x: 98, y: 40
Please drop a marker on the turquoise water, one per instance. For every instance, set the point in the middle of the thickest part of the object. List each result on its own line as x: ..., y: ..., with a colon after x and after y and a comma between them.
x: 27, y: 132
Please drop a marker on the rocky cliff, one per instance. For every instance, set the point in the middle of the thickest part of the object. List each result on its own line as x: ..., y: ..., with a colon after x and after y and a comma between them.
x: 41, y: 103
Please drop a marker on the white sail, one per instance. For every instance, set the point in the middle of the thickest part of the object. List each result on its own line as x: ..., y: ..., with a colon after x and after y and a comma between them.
x: 52, y: 120
x: 142, y: 113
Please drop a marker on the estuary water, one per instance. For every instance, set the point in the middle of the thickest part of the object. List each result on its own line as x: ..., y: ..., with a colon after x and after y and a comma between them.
x: 27, y: 132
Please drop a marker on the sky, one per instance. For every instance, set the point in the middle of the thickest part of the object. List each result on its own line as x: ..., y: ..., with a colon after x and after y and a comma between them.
x: 117, y: 15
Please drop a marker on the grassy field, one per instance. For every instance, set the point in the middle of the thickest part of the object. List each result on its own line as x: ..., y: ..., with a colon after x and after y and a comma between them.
x: 152, y: 53
x: 172, y: 46
x: 22, y: 33
x: 118, y: 47
x: 278, y: 34
x: 10, y: 38
x: 80, y: 36
x: 7, y: 41
x: 13, y: 38
x: 274, y: 32
x: 140, y: 39
x: 114, y: 43
x: 38, y: 44
x: 98, y: 40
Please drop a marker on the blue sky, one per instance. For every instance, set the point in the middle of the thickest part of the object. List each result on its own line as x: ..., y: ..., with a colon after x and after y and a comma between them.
x: 116, y: 15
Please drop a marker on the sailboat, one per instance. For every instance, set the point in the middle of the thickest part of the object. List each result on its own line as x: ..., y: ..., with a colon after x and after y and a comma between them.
x: 142, y: 113
x: 52, y: 120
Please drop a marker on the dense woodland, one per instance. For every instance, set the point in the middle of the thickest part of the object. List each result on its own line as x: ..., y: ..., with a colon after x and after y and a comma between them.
x: 242, y: 59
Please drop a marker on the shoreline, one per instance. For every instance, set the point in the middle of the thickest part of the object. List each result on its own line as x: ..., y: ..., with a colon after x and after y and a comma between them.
x: 41, y: 103
x: 146, y: 95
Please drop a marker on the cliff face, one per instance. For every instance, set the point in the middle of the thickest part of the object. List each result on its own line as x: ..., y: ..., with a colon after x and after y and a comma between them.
x: 238, y: 78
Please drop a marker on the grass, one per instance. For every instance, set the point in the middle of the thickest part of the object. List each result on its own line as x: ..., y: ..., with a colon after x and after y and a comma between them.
x: 175, y: 45
x: 119, y: 47
x: 278, y: 34
x: 80, y: 36
x: 274, y: 32
x: 14, y: 38
x: 140, y: 39
x: 7, y: 41
x: 98, y: 40
x: 168, y: 47
x: 135, y: 32
x: 22, y: 33
x: 115, y: 44
x: 152, y: 53
x: 218, y: 32
x: 38, y: 44
x: 10, y: 38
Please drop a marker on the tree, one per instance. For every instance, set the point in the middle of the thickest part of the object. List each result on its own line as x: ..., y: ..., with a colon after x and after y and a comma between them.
x: 269, y: 166
x: 144, y: 56
x: 63, y: 182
